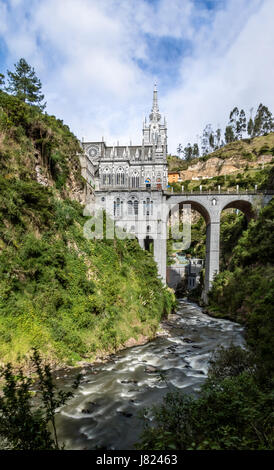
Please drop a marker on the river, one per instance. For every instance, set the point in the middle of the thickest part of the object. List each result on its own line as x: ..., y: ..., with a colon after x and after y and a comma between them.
x: 105, y: 411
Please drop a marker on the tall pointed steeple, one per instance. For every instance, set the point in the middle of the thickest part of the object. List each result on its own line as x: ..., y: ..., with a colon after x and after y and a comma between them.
x: 155, y: 116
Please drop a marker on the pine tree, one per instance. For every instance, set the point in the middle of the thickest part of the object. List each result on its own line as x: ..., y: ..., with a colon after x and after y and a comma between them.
x: 24, y: 84
x: 229, y: 134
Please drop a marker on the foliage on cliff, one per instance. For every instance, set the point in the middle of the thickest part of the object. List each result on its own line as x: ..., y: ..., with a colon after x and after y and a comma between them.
x: 244, y: 291
x: 68, y: 296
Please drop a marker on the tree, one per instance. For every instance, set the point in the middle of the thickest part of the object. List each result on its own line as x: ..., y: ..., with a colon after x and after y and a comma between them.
x: 180, y: 150
x: 205, y: 139
x: 23, y: 426
x: 195, y: 151
x: 241, y: 124
x: 24, y: 84
x: 229, y: 134
x: 218, y: 138
x: 2, y: 80
x: 250, y: 127
x: 263, y: 121
x: 233, y: 122
x: 211, y: 141
x: 188, y: 153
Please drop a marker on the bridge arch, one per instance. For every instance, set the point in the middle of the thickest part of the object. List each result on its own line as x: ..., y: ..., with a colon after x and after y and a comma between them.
x: 211, y: 213
x: 195, y: 205
x: 242, y: 205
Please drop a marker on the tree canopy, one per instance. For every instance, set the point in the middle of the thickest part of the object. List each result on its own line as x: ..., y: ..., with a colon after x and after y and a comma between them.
x: 25, y: 85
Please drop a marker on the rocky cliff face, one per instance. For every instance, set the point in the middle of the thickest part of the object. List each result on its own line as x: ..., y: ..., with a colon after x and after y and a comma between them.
x: 217, y: 166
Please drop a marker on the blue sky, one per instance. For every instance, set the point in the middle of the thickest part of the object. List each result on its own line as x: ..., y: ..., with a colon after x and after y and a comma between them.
x: 98, y: 60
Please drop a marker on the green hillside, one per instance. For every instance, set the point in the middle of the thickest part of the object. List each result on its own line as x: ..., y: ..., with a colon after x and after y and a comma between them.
x: 70, y: 297
x: 248, y: 149
x: 245, y: 152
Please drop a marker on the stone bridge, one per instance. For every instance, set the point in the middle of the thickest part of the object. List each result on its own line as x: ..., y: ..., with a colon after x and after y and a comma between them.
x: 148, y: 224
x: 210, y: 206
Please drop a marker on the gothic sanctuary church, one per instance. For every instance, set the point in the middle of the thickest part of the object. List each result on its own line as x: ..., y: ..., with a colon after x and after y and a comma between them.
x: 130, y: 182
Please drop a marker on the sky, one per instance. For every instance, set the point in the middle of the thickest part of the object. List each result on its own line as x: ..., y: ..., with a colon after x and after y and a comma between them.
x: 98, y: 61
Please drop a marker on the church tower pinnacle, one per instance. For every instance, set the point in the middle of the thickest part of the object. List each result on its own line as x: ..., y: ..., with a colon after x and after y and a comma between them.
x: 155, y: 116
x: 155, y: 133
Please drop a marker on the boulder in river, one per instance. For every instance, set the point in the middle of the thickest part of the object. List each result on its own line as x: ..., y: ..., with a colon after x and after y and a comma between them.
x: 129, y: 381
x: 125, y: 414
x: 151, y: 369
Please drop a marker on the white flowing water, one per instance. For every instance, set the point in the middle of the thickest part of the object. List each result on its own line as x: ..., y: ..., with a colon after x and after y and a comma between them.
x: 104, y: 414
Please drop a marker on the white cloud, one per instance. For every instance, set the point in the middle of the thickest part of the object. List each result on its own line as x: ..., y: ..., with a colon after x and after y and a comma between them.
x: 242, y: 75
x: 86, y: 51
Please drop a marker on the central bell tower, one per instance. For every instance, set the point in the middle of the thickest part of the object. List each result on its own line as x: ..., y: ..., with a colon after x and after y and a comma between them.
x: 155, y: 132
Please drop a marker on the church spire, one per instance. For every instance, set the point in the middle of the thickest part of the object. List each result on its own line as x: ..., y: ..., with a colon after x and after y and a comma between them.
x: 155, y: 115
x: 155, y: 107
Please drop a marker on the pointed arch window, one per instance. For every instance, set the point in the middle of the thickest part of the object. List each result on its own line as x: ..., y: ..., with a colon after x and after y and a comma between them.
x: 130, y: 207
x: 107, y: 177
x: 120, y: 177
x: 135, y: 180
x: 148, y: 206
x: 133, y: 206
x: 118, y: 207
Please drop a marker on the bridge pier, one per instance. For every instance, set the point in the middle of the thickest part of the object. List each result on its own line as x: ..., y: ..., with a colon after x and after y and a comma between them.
x: 160, y: 257
x: 212, y: 255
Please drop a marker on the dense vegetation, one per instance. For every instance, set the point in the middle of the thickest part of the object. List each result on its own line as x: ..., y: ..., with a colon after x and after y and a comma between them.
x: 68, y: 296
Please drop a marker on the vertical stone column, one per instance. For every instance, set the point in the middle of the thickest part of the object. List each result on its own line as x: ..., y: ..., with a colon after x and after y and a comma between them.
x: 160, y: 257
x: 160, y: 238
x: 212, y: 253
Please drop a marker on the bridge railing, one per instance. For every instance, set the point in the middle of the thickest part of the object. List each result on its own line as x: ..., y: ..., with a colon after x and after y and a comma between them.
x: 222, y: 192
